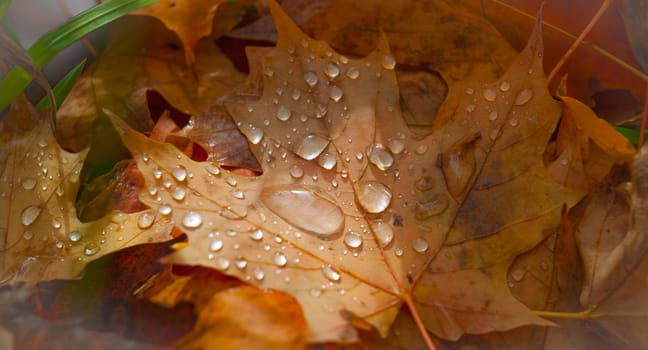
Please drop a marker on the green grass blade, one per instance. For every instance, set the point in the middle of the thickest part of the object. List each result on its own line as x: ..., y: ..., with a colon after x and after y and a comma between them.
x: 4, y: 5
x: 63, y: 87
x: 631, y: 134
x: 53, y: 42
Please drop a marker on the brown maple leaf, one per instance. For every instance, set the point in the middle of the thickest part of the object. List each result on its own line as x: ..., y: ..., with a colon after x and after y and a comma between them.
x: 353, y: 215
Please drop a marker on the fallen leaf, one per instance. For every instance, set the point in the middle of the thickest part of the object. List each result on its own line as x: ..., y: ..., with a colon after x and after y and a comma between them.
x: 40, y: 235
x: 352, y: 215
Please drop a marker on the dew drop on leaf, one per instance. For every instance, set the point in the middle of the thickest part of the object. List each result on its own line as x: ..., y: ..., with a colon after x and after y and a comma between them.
x: 145, y: 220
x: 388, y: 62
x: 332, y: 70
x: 222, y: 264
x: 238, y: 194
x: 490, y: 95
x: 157, y: 173
x: 254, y: 135
x: 518, y: 274
x: 216, y: 245
x: 74, y: 236
x: 178, y: 193
x: 492, y: 116
x: 311, y: 146
x: 380, y: 157
x: 28, y: 235
x: 353, y: 239
x: 335, y: 93
x: 374, y: 196
x: 505, y: 86
x: 352, y: 73
x: 383, y: 231
x: 256, y: 235
x: 305, y: 207
x: 327, y: 161
x: 315, y: 292
x: 29, y: 215
x: 296, y: 171
x: 296, y: 94
x: 259, y: 274
x: 283, y: 112
x: 330, y: 273
x: 420, y: 245
x: 396, y: 146
x: 91, y: 249
x: 230, y: 180
x: 240, y: 263
x: 179, y: 173
x: 192, y: 219
x: 311, y: 78
x: 523, y: 97
x: 435, y: 204
x: 458, y: 165
x: 212, y: 168
x: 279, y: 259
x: 165, y: 209
x: 28, y: 183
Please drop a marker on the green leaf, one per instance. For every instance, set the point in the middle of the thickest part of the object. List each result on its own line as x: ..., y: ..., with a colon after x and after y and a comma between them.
x: 631, y: 134
x: 4, y: 5
x: 53, y: 42
x: 63, y: 87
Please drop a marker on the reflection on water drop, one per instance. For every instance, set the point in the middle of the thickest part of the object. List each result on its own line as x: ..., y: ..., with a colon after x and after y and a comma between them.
x: 305, y: 207
x: 383, y: 231
x: 28, y: 183
x: 29, y: 215
x: 434, y: 204
x: 458, y: 165
x: 330, y: 273
x: 353, y: 239
x: 74, y: 236
x: 259, y: 274
x: 396, y: 146
x: 283, y: 113
x: 212, y: 168
x: 279, y: 259
x: 296, y: 171
x: 335, y: 93
x: 240, y: 263
x: 28, y: 235
x: 222, y: 264
x: 420, y: 245
x: 145, y: 220
x: 505, y: 86
x: 327, y: 161
x: 311, y: 146
x: 256, y: 235
x: 489, y: 95
x: 380, y: 157
x: 332, y: 70
x: 192, y: 219
x: 352, y: 73
x: 179, y: 173
x: 216, y: 245
x: 178, y: 193
x: 374, y: 196
x: 523, y: 97
x: 518, y: 274
x: 165, y: 209
x: 388, y: 62
x: 311, y: 78
x: 91, y: 249
x: 492, y: 116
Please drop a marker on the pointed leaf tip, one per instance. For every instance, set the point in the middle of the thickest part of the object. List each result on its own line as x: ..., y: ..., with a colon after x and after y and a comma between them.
x: 287, y: 30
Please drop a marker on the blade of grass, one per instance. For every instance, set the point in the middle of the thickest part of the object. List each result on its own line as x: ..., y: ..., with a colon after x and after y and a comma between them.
x: 4, y: 5
x: 631, y: 134
x: 63, y: 87
x: 53, y: 42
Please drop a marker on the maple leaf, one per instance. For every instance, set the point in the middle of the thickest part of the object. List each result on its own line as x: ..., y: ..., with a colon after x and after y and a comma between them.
x: 40, y: 235
x: 353, y: 215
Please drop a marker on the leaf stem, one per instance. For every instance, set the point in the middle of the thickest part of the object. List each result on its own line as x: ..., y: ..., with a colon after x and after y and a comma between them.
x: 583, y: 315
x: 583, y: 34
x: 417, y: 319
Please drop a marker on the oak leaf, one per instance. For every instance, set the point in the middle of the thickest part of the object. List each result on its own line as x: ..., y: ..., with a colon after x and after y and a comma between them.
x: 40, y: 235
x: 353, y: 215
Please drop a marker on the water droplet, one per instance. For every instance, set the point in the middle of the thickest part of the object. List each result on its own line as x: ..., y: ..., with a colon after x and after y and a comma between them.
x: 279, y: 259
x: 492, y: 116
x: 42, y: 143
x: 311, y: 78
x: 296, y: 171
x: 178, y: 193
x: 56, y: 223
x: 564, y: 161
x: 383, y: 231
x: 283, y: 113
x: 396, y: 146
x: 505, y: 86
x: 296, y: 94
x: 380, y: 157
x: 28, y: 183
x: 179, y: 173
x: 330, y: 273
x: 240, y: 263
x: 493, y: 134
x: 514, y: 121
x: 216, y: 245
x: 523, y: 97
x: 335, y: 93
x: 353, y: 239
x: 458, y: 165
x: 28, y: 235
x: 256, y: 235
x: 518, y: 274
x: 258, y: 273
x: 327, y: 161
x: 74, y: 236
x: 352, y: 73
x: 145, y: 220
x: 222, y: 264
x: 469, y: 91
x: 165, y: 209
x: 192, y: 219
x: 489, y: 95
x: 238, y: 194
x: 230, y: 180
x: 434, y: 205
x: 373, y: 196
x: 29, y: 215
x: 388, y: 62
x: 305, y: 207
x: 332, y: 70
x: 268, y: 71
x: 254, y: 135
x: 420, y: 245
x: 315, y: 292
x: 91, y: 249
x: 470, y: 108
x: 420, y: 150
x: 157, y: 173
x: 311, y: 146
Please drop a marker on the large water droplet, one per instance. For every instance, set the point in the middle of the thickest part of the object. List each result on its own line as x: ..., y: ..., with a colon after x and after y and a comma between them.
x: 179, y: 173
x: 240, y: 263
x: 489, y: 94
x: 254, y: 135
x: 178, y: 193
x: 383, y: 231
x: 212, y: 168
x: 28, y: 183
x: 230, y: 180
x: 396, y: 146
x: 380, y: 157
x: 435, y: 204
x: 192, y: 219
x: 157, y: 173
x: 353, y: 239
x: 259, y: 274
x: 222, y: 263
x: 296, y: 171
x: 91, y: 249
x: 279, y: 259
x: 373, y: 196
x: 335, y: 93
x: 165, y: 209
x: 352, y: 73
x: 505, y: 86
x: 29, y: 215
x: 327, y: 161
x: 256, y: 235
x: 311, y: 146
x: 523, y: 97
x: 330, y: 273
x: 75, y: 236
x: 238, y: 194
x: 388, y: 62
x: 283, y: 113
x: 145, y: 220
x: 305, y: 207
x: 311, y: 78
x: 332, y: 70
x: 216, y: 245
x: 420, y: 245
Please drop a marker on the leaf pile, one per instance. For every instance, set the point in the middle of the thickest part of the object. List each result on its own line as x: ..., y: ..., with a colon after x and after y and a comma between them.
x: 337, y: 221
